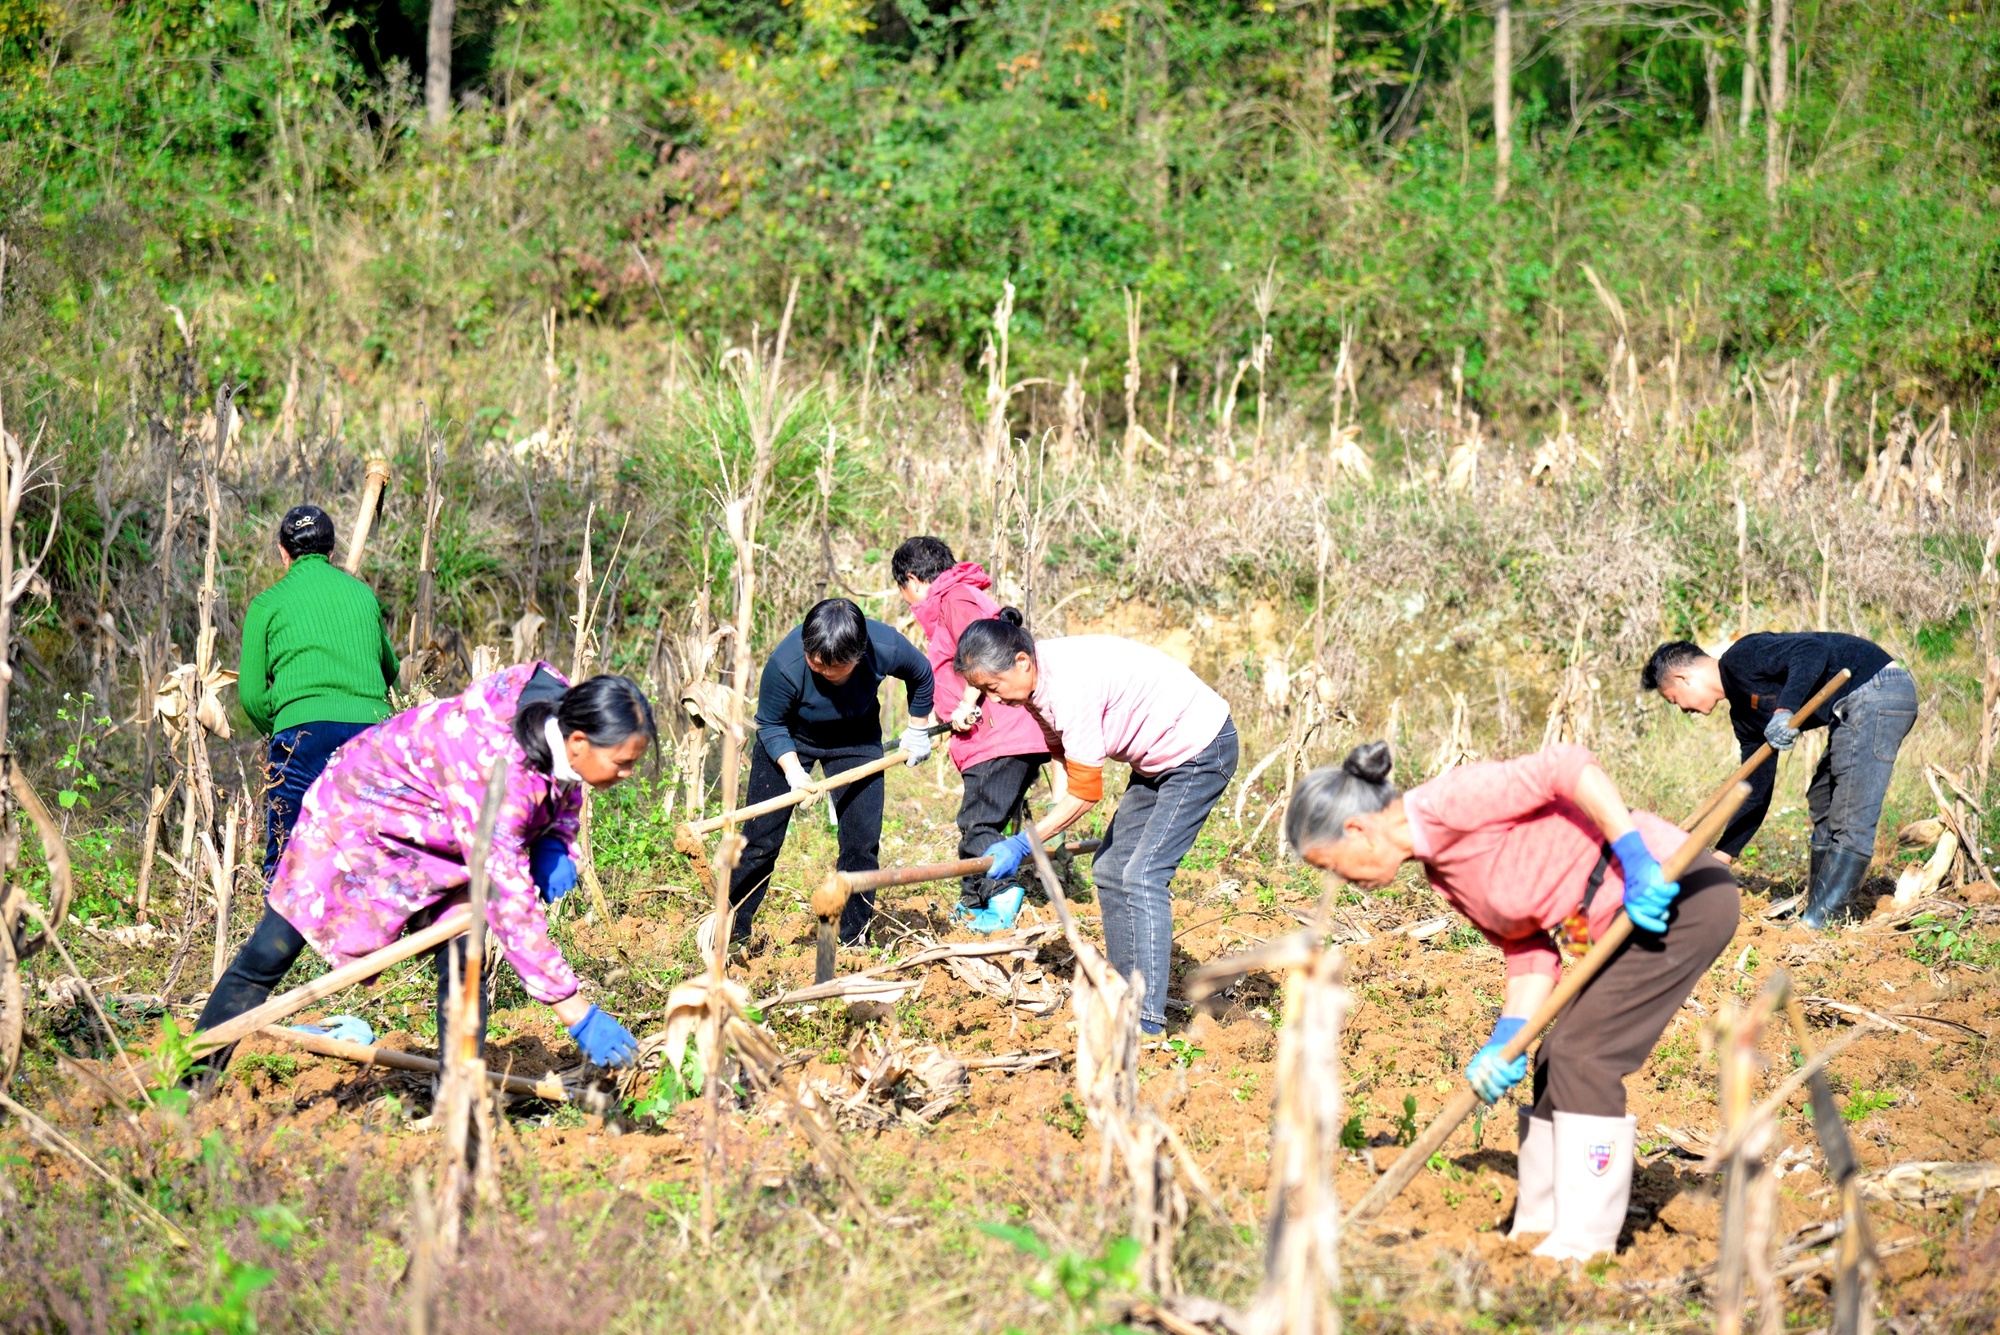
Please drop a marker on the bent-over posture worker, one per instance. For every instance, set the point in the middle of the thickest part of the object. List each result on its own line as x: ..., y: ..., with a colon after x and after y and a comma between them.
x: 998, y: 748
x: 384, y: 834
x: 1100, y: 698
x: 817, y: 704
x: 1532, y: 850
x: 316, y: 669
x: 1766, y: 678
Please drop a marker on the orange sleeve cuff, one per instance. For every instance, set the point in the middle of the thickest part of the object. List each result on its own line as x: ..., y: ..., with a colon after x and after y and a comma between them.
x: 1086, y: 782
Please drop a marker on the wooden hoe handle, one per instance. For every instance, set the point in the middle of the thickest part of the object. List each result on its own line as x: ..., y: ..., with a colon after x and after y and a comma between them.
x: 832, y: 894
x: 1574, y: 979
x: 1764, y: 752
x: 278, y: 1007
x: 807, y: 794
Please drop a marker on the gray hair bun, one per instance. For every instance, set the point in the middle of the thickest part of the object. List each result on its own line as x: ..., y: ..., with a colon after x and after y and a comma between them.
x: 1372, y: 761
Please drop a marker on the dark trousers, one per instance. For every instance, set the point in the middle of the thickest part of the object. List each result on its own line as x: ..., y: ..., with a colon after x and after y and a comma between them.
x: 994, y: 793
x: 1845, y: 797
x: 1610, y: 1029
x: 298, y: 755
x: 264, y: 960
x: 1157, y: 821
x: 859, y: 809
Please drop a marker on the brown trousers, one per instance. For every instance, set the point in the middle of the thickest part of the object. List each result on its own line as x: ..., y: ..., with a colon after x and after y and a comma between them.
x: 1609, y: 1030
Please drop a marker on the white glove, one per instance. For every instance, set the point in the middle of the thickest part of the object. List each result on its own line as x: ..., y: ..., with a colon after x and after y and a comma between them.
x: 916, y: 745
x: 965, y: 719
x: 796, y: 776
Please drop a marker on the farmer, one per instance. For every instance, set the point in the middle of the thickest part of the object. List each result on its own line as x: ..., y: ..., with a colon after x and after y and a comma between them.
x: 1766, y: 678
x: 817, y: 703
x: 383, y: 836
x: 1100, y: 698
x: 999, y: 750
x: 316, y: 669
x: 1531, y: 851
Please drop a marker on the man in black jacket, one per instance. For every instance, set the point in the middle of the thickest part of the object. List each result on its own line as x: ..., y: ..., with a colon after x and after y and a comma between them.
x: 1766, y: 678
x: 817, y: 702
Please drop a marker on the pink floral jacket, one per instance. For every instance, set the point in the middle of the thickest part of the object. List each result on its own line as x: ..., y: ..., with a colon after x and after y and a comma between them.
x: 382, y: 833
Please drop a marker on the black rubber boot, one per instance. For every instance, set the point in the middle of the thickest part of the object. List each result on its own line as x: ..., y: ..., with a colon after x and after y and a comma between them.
x: 1830, y: 898
x: 1813, y: 877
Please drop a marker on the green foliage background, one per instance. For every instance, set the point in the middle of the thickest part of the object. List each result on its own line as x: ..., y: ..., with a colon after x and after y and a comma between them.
x: 641, y: 165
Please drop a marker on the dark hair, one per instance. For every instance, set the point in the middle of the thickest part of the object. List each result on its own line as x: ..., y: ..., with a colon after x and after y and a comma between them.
x: 306, y: 530
x: 835, y: 632
x: 1326, y: 797
x: 1671, y: 657
x: 993, y: 644
x: 608, y: 710
x: 926, y: 558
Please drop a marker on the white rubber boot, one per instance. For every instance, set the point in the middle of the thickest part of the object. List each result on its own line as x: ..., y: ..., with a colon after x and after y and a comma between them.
x: 1593, y: 1184
x: 1535, y: 1199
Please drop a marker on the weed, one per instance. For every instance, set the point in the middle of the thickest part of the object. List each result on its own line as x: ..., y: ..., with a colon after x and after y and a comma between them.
x: 225, y: 1307
x: 1068, y: 1117
x: 1080, y: 1279
x: 1406, y: 1125
x: 282, y: 1066
x: 1865, y: 1103
x: 670, y: 1089
x: 1935, y: 942
x: 1184, y: 1052
x: 1352, y: 1135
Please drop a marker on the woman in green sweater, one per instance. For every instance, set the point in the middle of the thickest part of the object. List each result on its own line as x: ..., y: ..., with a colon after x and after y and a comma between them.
x: 317, y: 666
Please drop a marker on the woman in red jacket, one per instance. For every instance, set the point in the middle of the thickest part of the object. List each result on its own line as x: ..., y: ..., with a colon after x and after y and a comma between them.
x: 1533, y: 851
x: 998, y: 747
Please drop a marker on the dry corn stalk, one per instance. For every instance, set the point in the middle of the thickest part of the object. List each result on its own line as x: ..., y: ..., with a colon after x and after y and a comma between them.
x: 1302, y: 1247
x: 1130, y: 1135
x: 464, y: 1108
x: 1748, y: 1200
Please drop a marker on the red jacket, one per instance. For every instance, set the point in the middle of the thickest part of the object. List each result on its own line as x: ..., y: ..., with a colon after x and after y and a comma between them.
x: 1504, y: 842
x: 956, y: 600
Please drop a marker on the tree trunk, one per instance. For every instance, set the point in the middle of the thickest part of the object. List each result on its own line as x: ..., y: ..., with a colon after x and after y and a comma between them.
x: 1503, y: 96
x: 1752, y: 13
x: 1711, y: 64
x: 437, y: 62
x: 1778, y: 90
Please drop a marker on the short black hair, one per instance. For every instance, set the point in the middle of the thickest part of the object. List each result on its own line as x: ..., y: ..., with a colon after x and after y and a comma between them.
x: 926, y: 558
x: 306, y: 530
x: 835, y: 632
x: 1671, y: 657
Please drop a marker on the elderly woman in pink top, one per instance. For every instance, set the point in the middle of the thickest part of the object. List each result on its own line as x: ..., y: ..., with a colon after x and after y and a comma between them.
x: 1534, y: 851
x: 998, y: 749
x: 383, y: 833
x: 1099, y: 698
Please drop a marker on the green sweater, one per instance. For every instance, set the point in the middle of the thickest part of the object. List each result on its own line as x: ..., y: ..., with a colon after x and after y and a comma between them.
x: 315, y: 651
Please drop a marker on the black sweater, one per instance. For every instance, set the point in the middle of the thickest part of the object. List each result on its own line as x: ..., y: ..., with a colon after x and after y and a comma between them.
x: 798, y: 708
x: 1764, y: 673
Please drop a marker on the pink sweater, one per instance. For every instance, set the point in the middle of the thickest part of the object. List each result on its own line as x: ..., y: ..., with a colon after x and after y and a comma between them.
x: 1507, y: 846
x: 1103, y: 697
x: 956, y: 600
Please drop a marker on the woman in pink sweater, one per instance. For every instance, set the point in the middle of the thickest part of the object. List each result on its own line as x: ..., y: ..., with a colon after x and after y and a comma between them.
x: 998, y: 749
x: 1535, y: 851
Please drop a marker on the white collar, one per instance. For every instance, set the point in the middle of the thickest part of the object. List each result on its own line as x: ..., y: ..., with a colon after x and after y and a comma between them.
x: 559, y: 766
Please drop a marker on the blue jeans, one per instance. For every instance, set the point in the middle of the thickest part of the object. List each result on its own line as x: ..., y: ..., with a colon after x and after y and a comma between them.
x: 1156, y: 824
x: 298, y: 755
x: 1847, y: 789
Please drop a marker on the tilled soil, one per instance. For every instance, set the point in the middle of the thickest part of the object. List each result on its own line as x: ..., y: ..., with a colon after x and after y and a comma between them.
x: 1925, y: 1090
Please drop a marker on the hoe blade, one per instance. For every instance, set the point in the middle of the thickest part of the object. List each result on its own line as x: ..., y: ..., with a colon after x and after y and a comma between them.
x: 823, y: 959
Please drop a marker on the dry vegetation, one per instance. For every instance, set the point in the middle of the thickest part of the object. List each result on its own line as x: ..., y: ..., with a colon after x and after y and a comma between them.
x: 1437, y: 582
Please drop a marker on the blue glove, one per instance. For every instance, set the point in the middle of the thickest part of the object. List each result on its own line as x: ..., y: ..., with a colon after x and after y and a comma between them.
x: 604, y: 1040
x: 346, y: 1028
x: 1646, y: 894
x: 552, y: 867
x: 1779, y: 732
x: 1491, y: 1077
x: 1006, y: 855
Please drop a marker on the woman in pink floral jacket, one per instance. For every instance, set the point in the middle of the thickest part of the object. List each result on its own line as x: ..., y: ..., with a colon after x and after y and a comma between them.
x: 382, y: 836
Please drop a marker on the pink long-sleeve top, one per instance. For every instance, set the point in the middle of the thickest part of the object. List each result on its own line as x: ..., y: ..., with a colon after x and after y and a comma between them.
x: 1103, y: 697
x: 957, y: 598
x: 1506, y: 845
x: 382, y: 833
